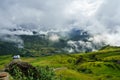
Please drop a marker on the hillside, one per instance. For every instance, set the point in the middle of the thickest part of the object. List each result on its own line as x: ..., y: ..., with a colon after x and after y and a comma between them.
x: 8, y: 48
x: 100, y: 65
x: 52, y: 42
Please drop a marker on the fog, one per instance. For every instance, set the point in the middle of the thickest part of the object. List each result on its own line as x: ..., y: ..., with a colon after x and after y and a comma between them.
x: 99, y: 17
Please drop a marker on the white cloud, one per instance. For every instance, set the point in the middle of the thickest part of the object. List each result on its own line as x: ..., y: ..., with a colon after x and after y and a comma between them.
x: 99, y: 17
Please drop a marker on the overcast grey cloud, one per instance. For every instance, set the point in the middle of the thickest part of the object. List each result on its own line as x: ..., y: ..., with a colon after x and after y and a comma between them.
x: 99, y: 17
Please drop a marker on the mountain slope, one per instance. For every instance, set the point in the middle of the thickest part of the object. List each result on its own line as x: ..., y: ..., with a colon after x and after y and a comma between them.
x: 100, y: 65
x: 37, y: 44
x: 8, y: 48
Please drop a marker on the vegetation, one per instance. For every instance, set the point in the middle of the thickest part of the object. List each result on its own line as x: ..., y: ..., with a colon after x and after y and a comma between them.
x: 8, y: 48
x: 33, y: 46
x: 37, y: 45
x: 99, y: 65
x: 24, y: 71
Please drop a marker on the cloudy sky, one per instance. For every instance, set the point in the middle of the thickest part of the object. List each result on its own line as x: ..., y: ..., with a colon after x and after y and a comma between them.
x: 100, y: 17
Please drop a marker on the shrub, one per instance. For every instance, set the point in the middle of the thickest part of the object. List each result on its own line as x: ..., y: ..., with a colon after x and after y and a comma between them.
x: 25, y: 71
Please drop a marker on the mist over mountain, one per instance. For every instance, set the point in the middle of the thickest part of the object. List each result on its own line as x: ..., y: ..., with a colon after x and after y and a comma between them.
x: 72, y: 25
x: 52, y: 41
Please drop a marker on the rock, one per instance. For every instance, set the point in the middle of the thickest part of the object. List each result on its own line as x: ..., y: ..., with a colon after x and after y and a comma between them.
x: 4, y: 76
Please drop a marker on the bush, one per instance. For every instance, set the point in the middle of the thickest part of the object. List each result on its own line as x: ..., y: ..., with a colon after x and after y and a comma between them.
x: 25, y: 71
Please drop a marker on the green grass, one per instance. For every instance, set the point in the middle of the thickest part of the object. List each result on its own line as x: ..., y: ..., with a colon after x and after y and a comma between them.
x: 68, y: 74
x: 99, y: 65
x: 52, y: 61
x: 4, y: 60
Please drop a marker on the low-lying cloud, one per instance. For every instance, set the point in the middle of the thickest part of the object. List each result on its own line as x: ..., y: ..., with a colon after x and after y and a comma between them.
x: 99, y: 17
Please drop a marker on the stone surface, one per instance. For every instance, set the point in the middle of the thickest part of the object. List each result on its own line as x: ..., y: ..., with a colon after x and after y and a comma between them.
x: 4, y: 76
